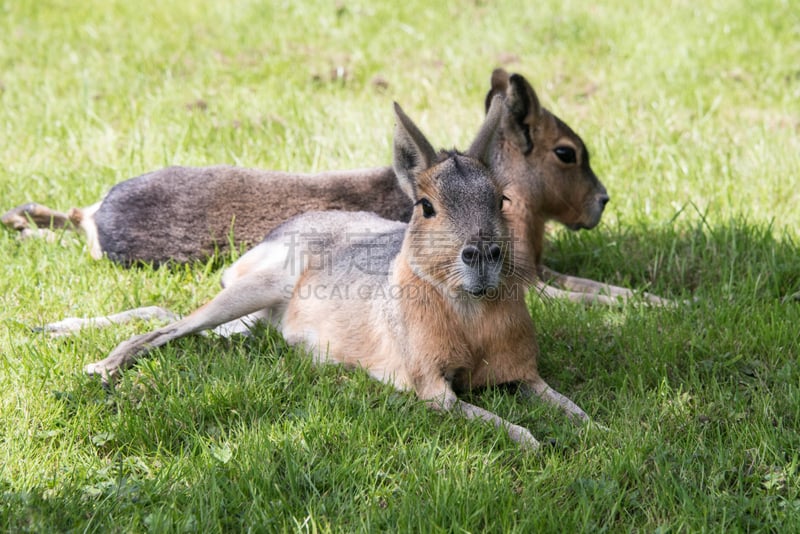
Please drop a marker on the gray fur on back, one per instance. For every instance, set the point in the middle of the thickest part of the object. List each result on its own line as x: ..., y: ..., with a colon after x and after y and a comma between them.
x: 344, y: 242
x: 183, y: 213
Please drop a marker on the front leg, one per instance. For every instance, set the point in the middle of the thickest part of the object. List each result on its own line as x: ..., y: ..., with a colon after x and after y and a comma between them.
x: 588, y: 291
x: 440, y: 396
x: 537, y: 386
x: 545, y: 289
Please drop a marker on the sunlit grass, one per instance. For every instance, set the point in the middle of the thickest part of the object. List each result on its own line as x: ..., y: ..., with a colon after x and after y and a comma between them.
x: 691, y: 112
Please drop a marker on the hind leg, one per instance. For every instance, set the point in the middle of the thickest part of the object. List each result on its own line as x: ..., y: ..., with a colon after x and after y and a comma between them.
x: 73, y: 324
x: 259, y: 291
x: 265, y: 257
x: 21, y: 217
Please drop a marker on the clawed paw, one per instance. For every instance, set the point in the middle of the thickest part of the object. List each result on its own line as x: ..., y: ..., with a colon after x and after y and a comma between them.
x: 107, y: 374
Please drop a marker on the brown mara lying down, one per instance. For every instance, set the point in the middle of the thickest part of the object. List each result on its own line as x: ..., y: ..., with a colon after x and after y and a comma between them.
x: 181, y: 213
x: 433, y: 306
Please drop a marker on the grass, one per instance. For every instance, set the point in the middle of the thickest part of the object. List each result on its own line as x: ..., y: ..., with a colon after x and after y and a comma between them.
x: 692, y: 114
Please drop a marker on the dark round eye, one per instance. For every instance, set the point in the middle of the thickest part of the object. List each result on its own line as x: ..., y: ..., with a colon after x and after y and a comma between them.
x: 566, y: 154
x: 427, y: 208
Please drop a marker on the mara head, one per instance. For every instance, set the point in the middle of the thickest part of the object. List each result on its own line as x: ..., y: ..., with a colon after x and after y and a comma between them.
x: 546, y: 161
x: 458, y: 238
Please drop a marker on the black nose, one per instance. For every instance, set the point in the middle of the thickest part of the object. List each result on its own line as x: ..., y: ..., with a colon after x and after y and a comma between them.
x: 491, y: 252
x: 604, y: 200
x: 470, y: 254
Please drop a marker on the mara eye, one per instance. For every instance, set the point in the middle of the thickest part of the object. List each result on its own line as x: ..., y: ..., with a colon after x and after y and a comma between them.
x: 427, y: 208
x: 566, y: 154
x: 504, y: 201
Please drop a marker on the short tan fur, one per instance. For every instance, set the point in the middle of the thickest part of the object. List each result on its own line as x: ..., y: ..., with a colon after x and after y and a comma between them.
x: 434, y: 306
x: 182, y: 213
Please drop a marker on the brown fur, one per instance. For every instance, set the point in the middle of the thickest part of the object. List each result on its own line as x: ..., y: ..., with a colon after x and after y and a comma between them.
x: 181, y: 214
x: 458, y: 318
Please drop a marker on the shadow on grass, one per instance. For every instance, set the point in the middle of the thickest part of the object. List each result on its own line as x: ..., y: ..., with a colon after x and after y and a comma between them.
x: 736, y: 259
x: 734, y: 339
x: 721, y: 370
x: 245, y: 428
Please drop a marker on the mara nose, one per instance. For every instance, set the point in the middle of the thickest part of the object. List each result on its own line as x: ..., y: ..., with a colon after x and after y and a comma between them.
x: 472, y: 254
x: 603, y: 200
x: 494, y: 252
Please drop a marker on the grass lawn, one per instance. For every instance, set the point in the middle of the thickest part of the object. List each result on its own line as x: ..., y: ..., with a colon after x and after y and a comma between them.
x: 692, y: 113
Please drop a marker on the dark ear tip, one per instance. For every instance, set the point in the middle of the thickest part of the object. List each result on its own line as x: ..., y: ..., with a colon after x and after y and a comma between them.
x: 400, y: 115
x: 525, y: 92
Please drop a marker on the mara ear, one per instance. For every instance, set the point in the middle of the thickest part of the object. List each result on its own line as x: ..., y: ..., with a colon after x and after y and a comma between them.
x: 412, y: 153
x: 524, y: 109
x: 480, y: 147
x: 499, y: 86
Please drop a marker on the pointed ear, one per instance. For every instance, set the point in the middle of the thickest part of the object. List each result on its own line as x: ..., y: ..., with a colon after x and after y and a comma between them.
x: 524, y: 109
x: 499, y: 87
x: 479, y: 149
x: 412, y: 153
